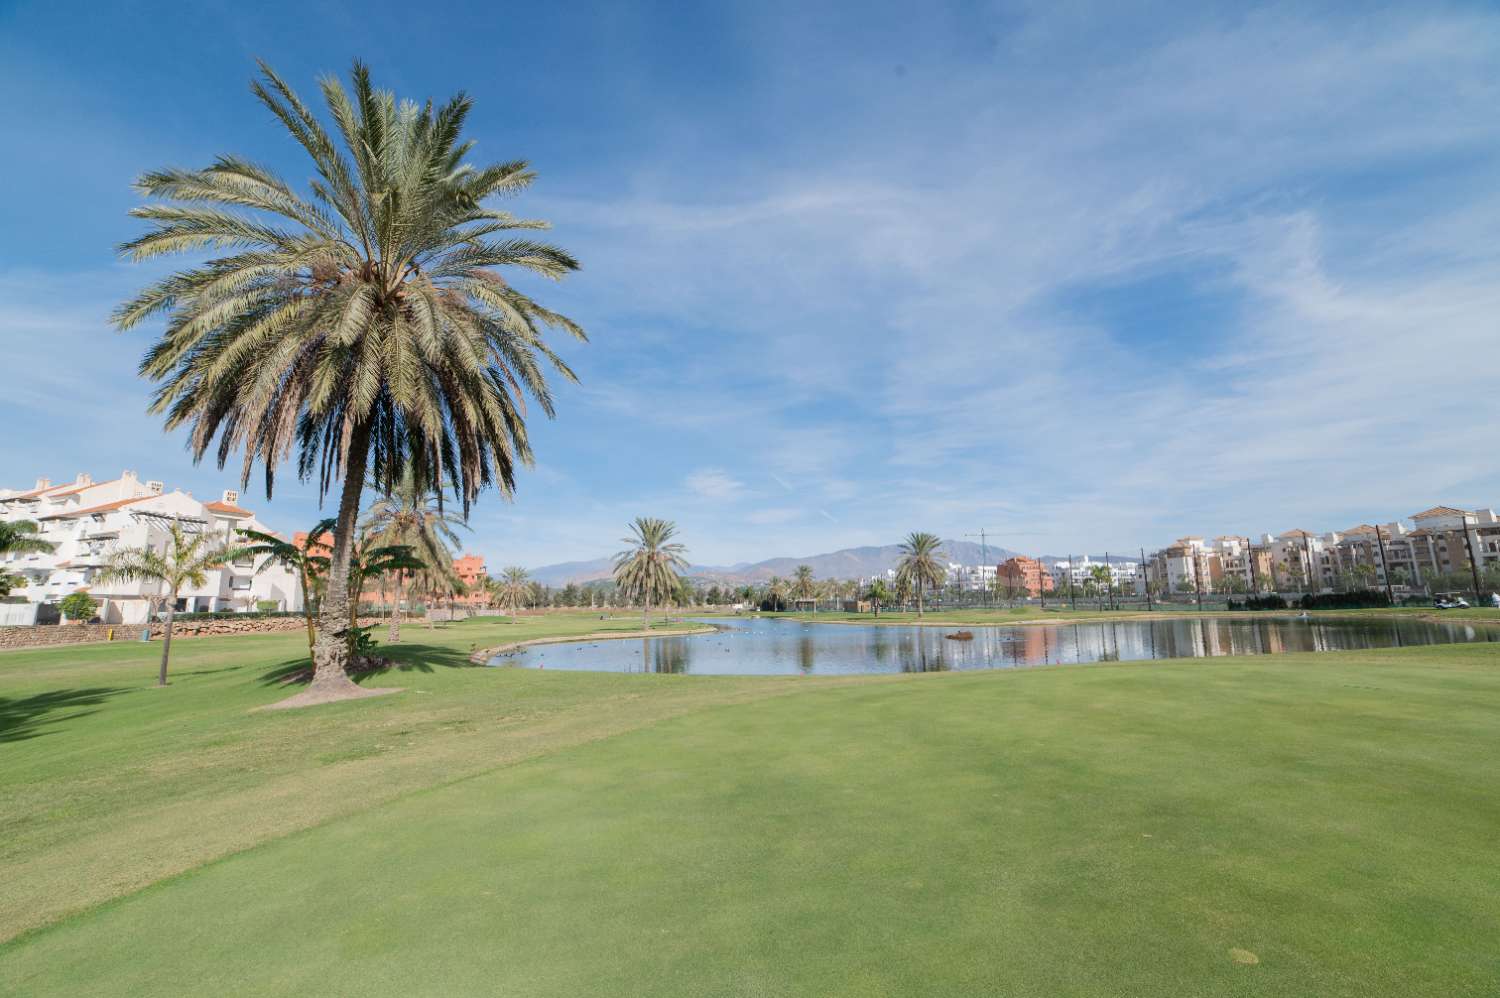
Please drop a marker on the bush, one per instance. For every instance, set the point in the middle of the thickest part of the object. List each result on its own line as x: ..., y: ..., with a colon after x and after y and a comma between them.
x: 1359, y: 599
x: 1270, y: 602
x: 267, y: 606
x: 79, y: 607
x: 235, y: 615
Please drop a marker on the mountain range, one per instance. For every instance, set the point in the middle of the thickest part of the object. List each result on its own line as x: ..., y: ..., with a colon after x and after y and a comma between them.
x: 847, y: 563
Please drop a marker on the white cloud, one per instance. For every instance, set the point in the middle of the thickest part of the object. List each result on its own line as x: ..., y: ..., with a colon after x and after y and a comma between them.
x: 714, y: 483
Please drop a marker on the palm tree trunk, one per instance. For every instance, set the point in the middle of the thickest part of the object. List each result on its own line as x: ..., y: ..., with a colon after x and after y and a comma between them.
x: 919, y: 600
x: 646, y: 612
x: 331, y: 651
x: 393, y: 634
x: 307, y: 613
x: 166, y: 641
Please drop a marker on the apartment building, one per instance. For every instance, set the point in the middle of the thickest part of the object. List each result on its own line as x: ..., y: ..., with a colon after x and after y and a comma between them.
x: 86, y: 521
x: 1079, y: 571
x: 1444, y: 545
x: 1027, y: 573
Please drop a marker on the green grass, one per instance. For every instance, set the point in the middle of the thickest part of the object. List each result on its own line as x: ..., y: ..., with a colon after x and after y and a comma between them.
x: 1094, y: 830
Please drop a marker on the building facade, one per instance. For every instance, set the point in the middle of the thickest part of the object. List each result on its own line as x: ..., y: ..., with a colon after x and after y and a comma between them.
x: 1444, y: 548
x: 1025, y: 574
x: 86, y: 521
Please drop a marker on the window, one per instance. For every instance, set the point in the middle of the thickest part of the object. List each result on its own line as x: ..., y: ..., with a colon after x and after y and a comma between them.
x: 239, y: 582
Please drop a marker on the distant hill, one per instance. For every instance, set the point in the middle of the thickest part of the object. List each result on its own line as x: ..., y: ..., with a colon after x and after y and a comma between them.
x: 848, y: 563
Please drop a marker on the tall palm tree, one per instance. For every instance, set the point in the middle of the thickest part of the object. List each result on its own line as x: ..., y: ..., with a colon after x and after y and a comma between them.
x: 648, y: 568
x: 804, y: 586
x: 512, y: 589
x: 414, y: 516
x: 185, y: 560
x: 364, y: 325
x: 919, y: 564
x: 306, y: 562
x: 776, y: 591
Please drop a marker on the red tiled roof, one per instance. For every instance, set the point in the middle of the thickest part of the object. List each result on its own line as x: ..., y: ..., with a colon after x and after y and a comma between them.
x: 77, y: 487
x: 1296, y: 533
x: 74, y: 514
x: 226, y: 508
x: 35, y: 492
x: 1439, y: 511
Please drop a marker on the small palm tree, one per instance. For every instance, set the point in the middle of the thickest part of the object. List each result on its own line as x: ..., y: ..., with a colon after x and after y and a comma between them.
x: 513, y: 589
x: 776, y: 591
x: 304, y: 561
x: 371, y: 560
x: 877, y: 594
x: 414, y: 516
x: 804, y: 586
x: 19, y: 537
x: 1104, y: 581
x: 648, y: 568
x: 365, y: 325
x: 919, y: 564
x: 185, y: 560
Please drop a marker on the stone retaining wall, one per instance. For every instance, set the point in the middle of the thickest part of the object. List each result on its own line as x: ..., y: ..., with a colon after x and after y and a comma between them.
x: 37, y: 636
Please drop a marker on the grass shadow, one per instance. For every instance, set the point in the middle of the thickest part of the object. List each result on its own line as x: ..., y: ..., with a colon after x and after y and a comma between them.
x: 405, y: 657
x: 22, y: 718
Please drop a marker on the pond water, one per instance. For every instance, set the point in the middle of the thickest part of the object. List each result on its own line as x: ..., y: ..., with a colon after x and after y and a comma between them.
x: 761, y: 647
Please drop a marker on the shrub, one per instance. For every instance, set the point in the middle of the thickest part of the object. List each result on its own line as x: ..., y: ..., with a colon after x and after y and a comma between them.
x: 1360, y: 599
x: 79, y: 607
x: 1269, y: 602
x: 235, y: 615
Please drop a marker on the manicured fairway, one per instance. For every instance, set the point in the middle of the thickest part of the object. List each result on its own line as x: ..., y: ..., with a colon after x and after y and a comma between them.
x: 1319, y: 825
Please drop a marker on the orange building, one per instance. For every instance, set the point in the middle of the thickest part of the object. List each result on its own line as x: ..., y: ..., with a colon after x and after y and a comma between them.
x: 470, y: 569
x: 1028, y: 572
x: 471, y: 573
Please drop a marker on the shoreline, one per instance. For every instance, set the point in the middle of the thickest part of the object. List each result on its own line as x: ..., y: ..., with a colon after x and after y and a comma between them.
x: 483, y: 655
x: 1106, y: 616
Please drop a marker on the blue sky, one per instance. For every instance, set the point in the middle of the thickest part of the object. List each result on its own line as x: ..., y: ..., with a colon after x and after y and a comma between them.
x: 1082, y: 277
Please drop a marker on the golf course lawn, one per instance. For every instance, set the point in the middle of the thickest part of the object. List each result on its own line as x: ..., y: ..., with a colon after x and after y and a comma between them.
x: 1279, y: 825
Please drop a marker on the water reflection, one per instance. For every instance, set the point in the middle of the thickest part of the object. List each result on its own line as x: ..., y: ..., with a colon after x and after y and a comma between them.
x: 765, y: 647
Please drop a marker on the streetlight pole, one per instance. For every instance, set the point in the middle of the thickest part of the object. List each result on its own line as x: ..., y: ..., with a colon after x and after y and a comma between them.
x: 1469, y: 546
x: 984, y: 557
x: 1385, y: 569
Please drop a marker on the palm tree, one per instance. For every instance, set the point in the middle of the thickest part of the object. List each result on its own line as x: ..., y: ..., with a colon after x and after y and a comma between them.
x: 413, y: 516
x: 303, y: 561
x: 19, y: 537
x: 371, y: 559
x: 185, y: 560
x: 648, y: 568
x: 511, y: 588
x: 877, y: 594
x: 1103, y: 581
x: 776, y: 591
x: 365, y: 326
x: 919, y: 564
x: 804, y: 586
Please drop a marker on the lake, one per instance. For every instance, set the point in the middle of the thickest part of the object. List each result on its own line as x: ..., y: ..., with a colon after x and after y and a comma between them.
x: 748, y: 646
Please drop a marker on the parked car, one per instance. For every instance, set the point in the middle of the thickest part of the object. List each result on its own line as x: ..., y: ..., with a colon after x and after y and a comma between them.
x: 1450, y: 603
x: 1495, y: 600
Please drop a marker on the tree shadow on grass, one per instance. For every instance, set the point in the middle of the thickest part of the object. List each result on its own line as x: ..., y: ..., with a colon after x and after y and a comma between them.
x: 25, y: 717
x: 405, y: 657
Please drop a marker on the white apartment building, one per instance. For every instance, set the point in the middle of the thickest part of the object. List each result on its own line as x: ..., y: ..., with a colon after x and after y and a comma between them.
x: 87, y: 520
x: 1079, y: 571
x: 972, y: 578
